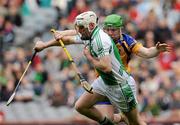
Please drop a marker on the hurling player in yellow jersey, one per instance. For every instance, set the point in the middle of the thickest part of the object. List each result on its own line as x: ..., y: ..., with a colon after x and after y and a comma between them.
x: 127, y: 46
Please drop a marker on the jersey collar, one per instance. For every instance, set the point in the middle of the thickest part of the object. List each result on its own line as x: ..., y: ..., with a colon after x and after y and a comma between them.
x: 94, y: 32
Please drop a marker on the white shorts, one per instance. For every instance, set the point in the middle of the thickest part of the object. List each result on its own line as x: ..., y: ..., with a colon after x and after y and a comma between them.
x: 122, y: 96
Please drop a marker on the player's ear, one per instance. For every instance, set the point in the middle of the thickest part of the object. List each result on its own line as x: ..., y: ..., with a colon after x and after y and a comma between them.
x: 91, y: 26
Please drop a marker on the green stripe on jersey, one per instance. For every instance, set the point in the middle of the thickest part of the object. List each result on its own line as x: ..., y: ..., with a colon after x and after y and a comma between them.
x: 117, y: 55
x: 108, y: 78
x: 99, y: 45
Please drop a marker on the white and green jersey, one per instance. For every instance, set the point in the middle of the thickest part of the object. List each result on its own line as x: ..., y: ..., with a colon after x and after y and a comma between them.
x: 101, y: 45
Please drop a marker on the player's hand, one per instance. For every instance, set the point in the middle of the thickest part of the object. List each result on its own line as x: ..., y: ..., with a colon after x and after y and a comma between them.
x: 163, y: 47
x: 87, y: 53
x: 58, y: 35
x: 39, y: 46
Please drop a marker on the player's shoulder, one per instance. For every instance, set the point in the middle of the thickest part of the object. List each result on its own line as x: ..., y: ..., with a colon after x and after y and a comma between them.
x: 128, y: 39
x: 101, y: 36
x: 101, y: 41
x: 104, y: 37
x: 101, y: 33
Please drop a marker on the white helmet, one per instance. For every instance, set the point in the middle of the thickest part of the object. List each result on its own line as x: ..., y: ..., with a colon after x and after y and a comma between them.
x: 84, y: 19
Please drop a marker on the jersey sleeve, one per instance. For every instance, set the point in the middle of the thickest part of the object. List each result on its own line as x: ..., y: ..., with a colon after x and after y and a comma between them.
x: 136, y: 47
x: 129, y: 40
x: 132, y: 44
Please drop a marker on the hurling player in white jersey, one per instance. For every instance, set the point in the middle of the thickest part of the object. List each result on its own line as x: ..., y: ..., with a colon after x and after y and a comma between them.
x: 127, y: 46
x: 113, y: 82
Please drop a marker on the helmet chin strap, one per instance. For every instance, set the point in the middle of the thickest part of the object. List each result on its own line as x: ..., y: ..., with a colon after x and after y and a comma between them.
x: 79, y: 35
x: 90, y: 33
x: 121, y: 36
x: 84, y: 38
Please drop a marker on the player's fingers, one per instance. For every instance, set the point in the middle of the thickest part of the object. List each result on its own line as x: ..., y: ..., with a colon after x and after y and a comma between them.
x: 157, y: 45
x: 57, y: 35
x: 169, y: 49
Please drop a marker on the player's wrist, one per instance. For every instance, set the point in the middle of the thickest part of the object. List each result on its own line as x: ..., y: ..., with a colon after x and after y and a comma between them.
x: 157, y: 48
x: 46, y: 45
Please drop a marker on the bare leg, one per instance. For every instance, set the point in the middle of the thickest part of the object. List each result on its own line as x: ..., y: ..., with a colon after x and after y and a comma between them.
x: 85, y: 106
x: 134, y: 117
x: 120, y: 117
x: 107, y: 110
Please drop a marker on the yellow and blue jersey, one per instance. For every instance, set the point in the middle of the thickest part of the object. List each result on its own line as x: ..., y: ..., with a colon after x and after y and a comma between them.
x: 126, y: 46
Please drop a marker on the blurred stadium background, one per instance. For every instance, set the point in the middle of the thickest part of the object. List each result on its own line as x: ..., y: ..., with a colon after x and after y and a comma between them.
x: 50, y: 87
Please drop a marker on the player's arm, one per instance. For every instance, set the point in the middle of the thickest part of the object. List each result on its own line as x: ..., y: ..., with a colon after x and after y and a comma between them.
x: 103, y: 63
x: 60, y: 34
x: 152, y: 51
x: 40, y: 45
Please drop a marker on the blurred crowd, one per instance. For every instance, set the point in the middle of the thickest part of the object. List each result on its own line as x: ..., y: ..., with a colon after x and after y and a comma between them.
x: 52, y: 77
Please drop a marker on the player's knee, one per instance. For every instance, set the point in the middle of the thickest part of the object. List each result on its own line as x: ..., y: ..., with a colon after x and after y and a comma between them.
x: 111, y: 117
x: 78, y: 107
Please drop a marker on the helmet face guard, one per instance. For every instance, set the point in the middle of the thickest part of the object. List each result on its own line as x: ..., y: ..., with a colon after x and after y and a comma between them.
x: 84, y: 19
x: 83, y: 32
x: 112, y: 28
